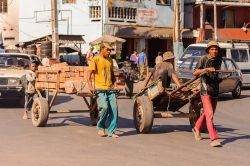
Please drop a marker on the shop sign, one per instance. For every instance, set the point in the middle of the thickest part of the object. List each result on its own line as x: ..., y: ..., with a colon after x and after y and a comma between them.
x: 146, y: 16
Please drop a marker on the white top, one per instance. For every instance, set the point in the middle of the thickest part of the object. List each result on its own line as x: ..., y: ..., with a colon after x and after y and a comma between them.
x: 45, y: 61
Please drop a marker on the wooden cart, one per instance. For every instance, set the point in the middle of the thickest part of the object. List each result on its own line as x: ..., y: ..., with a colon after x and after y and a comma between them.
x: 52, y: 80
x: 158, y: 102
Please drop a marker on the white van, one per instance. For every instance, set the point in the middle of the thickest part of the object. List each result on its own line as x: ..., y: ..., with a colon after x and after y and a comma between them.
x: 239, y: 52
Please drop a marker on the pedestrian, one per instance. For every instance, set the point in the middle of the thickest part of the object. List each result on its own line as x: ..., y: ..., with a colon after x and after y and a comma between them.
x: 90, y: 55
x: 45, y: 61
x: 30, y: 88
x: 159, y: 54
x: 101, y: 71
x: 134, y: 59
x: 142, y: 63
x: 2, y: 48
x: 164, y: 70
x: 207, y: 66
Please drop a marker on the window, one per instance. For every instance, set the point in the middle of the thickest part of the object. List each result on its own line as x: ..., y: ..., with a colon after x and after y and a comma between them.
x: 163, y: 2
x: 230, y: 65
x: 3, y: 6
x: 239, y: 55
x: 223, y: 66
x: 95, y: 11
x: 209, y: 15
x: 68, y: 1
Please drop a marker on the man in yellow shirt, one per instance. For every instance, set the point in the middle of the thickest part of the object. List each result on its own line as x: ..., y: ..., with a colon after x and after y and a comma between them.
x: 101, y: 70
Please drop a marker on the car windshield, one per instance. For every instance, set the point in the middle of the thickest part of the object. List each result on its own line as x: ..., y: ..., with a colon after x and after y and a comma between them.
x: 194, y: 51
x: 14, y: 61
x: 188, y: 64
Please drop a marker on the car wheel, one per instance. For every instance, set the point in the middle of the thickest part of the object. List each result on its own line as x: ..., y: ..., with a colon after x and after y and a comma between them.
x: 237, y: 91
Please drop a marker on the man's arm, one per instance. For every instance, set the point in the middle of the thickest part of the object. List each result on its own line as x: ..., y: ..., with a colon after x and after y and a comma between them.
x: 176, y: 79
x: 89, y: 80
x: 147, y: 79
x: 30, y: 77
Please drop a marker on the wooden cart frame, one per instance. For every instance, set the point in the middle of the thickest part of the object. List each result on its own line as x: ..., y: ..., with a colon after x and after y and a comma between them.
x: 41, y: 105
x: 158, y: 102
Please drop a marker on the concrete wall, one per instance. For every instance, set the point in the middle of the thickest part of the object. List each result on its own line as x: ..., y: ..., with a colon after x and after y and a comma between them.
x: 9, y: 23
x: 73, y: 19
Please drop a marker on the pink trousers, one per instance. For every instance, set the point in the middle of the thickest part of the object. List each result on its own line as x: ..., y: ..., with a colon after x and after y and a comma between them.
x: 209, y: 106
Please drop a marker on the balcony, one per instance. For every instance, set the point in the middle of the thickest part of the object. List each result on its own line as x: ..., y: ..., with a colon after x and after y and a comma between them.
x: 122, y: 14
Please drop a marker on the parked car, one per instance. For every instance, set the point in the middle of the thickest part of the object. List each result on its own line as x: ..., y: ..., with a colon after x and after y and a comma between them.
x: 239, y: 52
x: 231, y: 84
x: 13, y: 68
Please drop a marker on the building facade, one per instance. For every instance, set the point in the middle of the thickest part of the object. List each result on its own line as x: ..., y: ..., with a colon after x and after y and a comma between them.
x: 143, y: 23
x: 232, y: 21
x: 9, y: 23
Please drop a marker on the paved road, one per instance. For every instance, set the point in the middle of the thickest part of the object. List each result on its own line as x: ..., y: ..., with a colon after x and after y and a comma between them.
x: 68, y: 140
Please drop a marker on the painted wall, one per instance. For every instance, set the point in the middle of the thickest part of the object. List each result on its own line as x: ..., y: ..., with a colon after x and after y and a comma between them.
x: 73, y: 19
x: 9, y: 23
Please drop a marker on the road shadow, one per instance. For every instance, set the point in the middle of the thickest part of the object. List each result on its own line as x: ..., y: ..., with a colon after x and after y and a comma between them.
x: 10, y: 104
x: 61, y: 99
x: 234, y: 136
x: 70, y: 120
x: 226, y: 97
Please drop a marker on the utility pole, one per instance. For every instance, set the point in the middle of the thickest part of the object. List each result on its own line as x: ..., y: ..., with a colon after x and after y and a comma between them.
x: 202, y: 22
x: 54, y: 23
x: 177, y: 41
x: 215, y: 22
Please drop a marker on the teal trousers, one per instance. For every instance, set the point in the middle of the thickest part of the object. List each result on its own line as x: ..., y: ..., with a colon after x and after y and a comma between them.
x: 107, y: 107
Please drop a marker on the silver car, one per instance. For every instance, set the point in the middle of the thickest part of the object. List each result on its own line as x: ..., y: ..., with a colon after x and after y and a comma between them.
x: 231, y: 84
x: 13, y: 68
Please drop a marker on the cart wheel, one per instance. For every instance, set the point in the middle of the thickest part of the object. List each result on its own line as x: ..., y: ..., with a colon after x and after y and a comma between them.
x: 143, y: 114
x: 195, y: 111
x: 40, y: 112
x: 93, y: 111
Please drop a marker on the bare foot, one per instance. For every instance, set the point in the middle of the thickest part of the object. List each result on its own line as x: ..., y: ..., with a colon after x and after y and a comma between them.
x: 101, y: 133
x: 114, y: 136
x: 197, y: 134
x: 25, y: 115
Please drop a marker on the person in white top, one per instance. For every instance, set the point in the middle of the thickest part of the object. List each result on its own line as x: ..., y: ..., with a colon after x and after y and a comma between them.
x: 45, y: 61
x: 90, y: 55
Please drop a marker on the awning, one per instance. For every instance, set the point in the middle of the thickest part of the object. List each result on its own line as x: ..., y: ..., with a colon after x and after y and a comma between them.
x: 233, y: 34
x: 108, y: 39
x: 63, y: 39
x: 146, y: 32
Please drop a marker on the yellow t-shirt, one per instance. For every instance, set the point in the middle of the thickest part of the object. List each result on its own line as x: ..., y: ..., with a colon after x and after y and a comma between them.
x: 102, y: 68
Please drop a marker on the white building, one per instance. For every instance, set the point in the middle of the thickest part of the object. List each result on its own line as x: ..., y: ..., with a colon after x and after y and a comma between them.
x: 9, y: 28
x: 143, y: 23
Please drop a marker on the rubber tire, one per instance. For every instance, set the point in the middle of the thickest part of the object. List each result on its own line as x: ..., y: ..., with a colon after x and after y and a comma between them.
x: 237, y: 91
x: 145, y: 123
x: 41, y: 106
x: 129, y: 86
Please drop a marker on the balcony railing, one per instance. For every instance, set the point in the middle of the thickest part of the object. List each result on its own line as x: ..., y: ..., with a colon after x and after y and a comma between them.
x: 122, y: 14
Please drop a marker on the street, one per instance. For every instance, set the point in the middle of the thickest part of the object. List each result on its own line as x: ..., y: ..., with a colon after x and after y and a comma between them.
x: 68, y: 139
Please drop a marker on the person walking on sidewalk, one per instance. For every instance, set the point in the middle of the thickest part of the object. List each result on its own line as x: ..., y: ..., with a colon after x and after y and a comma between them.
x: 133, y: 60
x: 101, y: 70
x: 208, y: 64
x: 142, y: 63
x: 30, y: 89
